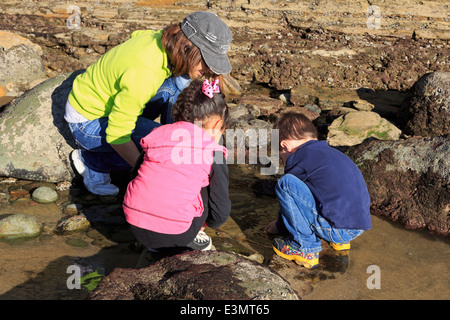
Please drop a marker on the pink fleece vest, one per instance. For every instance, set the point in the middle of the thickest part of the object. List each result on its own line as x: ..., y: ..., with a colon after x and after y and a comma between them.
x: 165, y: 196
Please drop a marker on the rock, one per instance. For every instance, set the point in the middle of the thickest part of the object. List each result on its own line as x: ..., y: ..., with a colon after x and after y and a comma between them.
x: 19, y: 226
x: 313, y: 107
x: 362, y: 105
x: 20, y: 64
x: 230, y: 86
x: 265, y: 105
x: 44, y: 195
x: 255, y: 133
x: 408, y: 180
x: 284, y: 45
x: 72, y: 224
x: 73, y: 209
x: 240, y: 112
x: 308, y: 110
x: 355, y: 127
x: 33, y: 127
x: 77, y: 242
x: 425, y: 111
x: 198, y: 275
x: 10, y: 39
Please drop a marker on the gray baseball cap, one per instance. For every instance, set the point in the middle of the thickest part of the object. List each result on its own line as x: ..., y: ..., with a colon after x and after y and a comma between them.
x: 212, y: 36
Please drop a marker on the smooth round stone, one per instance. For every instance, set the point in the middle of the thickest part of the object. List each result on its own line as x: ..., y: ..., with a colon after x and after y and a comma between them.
x: 71, y: 224
x: 76, y: 242
x: 44, y: 195
x: 19, y: 226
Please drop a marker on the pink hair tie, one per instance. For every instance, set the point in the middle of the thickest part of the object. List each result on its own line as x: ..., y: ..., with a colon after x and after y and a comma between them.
x: 210, y: 88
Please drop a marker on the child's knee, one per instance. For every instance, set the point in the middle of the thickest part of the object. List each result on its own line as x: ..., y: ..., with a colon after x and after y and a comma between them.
x: 290, y: 182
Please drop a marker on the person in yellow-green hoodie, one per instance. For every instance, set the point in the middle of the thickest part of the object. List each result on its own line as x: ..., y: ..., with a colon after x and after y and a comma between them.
x: 105, y: 105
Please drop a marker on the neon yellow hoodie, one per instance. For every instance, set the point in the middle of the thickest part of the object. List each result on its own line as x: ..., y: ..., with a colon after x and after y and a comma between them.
x: 121, y: 82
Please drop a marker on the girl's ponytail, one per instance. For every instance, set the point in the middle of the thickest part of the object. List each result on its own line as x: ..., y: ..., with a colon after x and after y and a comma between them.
x: 194, y: 105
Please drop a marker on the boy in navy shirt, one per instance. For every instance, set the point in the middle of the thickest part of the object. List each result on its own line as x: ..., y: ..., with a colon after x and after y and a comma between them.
x: 322, y: 195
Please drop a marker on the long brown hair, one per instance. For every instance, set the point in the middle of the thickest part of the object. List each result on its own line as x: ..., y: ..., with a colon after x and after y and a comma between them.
x: 183, y: 55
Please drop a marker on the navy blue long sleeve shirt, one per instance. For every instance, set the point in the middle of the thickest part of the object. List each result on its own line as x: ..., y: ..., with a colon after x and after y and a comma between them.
x: 335, y: 181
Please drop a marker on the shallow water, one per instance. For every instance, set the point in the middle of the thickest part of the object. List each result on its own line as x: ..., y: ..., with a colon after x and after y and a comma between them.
x: 408, y: 264
x: 386, y: 262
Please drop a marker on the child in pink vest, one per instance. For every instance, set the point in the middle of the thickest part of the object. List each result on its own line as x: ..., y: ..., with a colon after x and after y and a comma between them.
x: 182, y: 183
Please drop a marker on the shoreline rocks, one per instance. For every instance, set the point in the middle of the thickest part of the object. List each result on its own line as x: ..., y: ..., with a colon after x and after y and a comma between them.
x: 355, y: 127
x: 19, y: 227
x: 33, y: 127
x: 277, y: 44
x: 198, y: 275
x: 408, y: 180
x: 425, y: 111
x: 49, y: 141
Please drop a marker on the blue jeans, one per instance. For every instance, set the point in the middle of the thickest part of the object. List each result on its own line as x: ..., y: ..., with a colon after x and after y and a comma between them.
x: 161, y: 104
x: 299, y: 214
x: 97, y: 154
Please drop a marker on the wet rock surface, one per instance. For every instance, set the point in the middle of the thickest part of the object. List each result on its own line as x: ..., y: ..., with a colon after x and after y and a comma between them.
x: 19, y: 226
x: 408, y: 180
x: 209, y: 275
x: 44, y: 195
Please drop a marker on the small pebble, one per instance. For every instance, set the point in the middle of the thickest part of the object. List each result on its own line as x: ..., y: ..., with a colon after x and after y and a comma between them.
x: 77, y: 242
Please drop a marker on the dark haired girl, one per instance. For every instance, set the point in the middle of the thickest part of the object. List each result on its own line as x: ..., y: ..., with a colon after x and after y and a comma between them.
x: 182, y: 183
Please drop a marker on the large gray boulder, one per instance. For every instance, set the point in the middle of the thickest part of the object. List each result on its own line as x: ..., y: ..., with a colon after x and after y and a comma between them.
x: 36, y: 140
x: 199, y: 275
x: 425, y: 111
x: 20, y: 64
x: 408, y: 180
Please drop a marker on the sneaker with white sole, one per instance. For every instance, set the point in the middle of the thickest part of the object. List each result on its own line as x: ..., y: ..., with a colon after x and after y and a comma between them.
x: 98, y: 183
x: 201, y: 242
x: 77, y: 161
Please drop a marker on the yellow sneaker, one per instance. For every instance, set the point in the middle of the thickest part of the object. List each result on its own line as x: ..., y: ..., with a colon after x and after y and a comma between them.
x: 340, y: 246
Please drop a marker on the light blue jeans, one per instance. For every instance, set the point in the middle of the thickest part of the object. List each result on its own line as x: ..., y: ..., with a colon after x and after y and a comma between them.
x: 97, y: 154
x: 166, y: 96
x: 299, y: 214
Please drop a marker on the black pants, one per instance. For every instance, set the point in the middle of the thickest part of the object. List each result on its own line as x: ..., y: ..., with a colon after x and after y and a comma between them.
x: 169, y: 242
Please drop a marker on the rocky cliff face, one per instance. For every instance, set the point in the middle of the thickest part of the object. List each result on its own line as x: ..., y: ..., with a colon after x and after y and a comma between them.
x: 352, y: 44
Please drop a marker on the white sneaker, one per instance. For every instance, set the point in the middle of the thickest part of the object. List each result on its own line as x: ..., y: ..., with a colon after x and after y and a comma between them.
x: 96, y: 182
x: 78, y: 161
x: 201, y: 242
